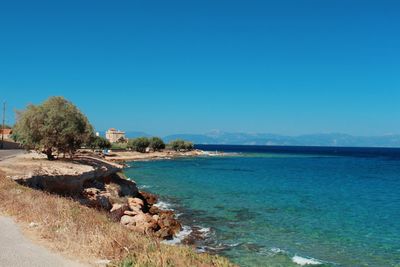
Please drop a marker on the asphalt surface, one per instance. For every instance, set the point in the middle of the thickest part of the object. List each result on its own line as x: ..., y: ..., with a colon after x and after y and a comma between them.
x: 9, y: 153
x: 18, y: 251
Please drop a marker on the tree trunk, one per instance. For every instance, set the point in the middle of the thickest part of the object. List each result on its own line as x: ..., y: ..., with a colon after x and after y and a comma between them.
x: 49, y: 154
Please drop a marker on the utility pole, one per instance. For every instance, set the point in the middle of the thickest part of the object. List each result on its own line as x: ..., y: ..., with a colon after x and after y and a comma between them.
x: 3, y: 125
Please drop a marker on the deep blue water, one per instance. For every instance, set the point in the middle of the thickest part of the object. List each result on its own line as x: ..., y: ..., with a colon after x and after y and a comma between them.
x: 275, y: 208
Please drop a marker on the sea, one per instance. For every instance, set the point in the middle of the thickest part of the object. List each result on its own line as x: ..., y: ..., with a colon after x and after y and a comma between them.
x: 283, y: 206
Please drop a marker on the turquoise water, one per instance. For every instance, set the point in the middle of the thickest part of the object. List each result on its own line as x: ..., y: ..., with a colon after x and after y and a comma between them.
x: 278, y: 209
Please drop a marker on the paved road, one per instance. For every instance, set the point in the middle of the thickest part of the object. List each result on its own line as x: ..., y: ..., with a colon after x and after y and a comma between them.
x: 18, y: 251
x: 8, y: 153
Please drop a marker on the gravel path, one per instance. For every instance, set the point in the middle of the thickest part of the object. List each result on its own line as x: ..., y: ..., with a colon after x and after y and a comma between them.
x: 16, y: 250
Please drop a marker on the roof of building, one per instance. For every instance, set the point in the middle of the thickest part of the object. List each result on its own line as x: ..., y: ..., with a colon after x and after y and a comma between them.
x: 6, y: 131
x: 115, y: 131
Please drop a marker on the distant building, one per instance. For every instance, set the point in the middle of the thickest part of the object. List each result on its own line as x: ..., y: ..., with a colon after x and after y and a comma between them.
x: 114, y: 135
x: 7, y: 133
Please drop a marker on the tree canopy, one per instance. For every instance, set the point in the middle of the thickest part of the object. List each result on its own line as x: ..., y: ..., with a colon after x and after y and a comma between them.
x: 139, y: 144
x: 98, y: 142
x: 156, y: 143
x: 122, y: 140
x: 56, y: 125
x: 179, y: 145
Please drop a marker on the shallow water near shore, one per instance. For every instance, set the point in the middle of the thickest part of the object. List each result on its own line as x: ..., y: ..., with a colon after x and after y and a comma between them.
x: 267, y: 209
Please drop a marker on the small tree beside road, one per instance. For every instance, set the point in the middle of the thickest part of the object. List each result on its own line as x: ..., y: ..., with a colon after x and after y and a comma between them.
x: 55, y: 126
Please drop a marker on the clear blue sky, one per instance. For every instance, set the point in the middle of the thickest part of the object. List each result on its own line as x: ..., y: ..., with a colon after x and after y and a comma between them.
x: 287, y: 67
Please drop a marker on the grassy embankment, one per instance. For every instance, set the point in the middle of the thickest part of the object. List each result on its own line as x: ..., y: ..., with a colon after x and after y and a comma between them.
x: 84, y: 233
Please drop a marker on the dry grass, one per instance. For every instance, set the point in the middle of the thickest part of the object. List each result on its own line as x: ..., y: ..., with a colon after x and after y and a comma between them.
x: 84, y: 233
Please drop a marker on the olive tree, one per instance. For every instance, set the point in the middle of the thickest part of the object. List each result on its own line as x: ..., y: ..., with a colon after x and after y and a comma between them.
x: 139, y: 144
x: 156, y: 143
x: 55, y: 126
x: 188, y: 146
x: 98, y: 142
x: 122, y: 140
x: 179, y: 145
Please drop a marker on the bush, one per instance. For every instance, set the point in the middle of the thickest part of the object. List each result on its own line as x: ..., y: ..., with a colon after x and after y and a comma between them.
x: 156, y: 143
x: 98, y: 142
x: 189, y: 146
x: 122, y: 140
x: 139, y: 144
x: 179, y: 145
x: 57, y: 125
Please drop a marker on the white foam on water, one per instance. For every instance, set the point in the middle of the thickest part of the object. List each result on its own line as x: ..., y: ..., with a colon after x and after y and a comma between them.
x: 233, y: 245
x: 305, y: 261
x: 277, y: 250
x: 185, y: 232
x: 201, y: 249
x: 204, y: 230
x: 163, y: 205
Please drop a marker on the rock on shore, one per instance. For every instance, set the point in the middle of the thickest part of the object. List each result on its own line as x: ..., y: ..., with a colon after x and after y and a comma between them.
x: 96, y: 183
x: 132, y: 208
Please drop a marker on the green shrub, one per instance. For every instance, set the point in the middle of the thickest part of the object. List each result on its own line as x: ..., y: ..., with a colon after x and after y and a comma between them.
x: 139, y: 144
x: 156, y: 143
x: 98, y: 142
x: 179, y: 145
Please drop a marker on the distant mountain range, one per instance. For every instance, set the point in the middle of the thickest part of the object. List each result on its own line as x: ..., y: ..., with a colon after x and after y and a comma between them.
x: 331, y: 139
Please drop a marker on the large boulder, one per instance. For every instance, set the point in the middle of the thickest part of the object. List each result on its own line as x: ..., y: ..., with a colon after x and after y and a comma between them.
x: 149, y: 198
x: 143, y: 223
x: 169, y: 225
x: 132, y: 213
x: 95, y: 198
x: 117, y: 211
x: 122, y: 186
x: 154, y: 210
x: 127, y: 220
x: 140, y: 222
x: 135, y: 204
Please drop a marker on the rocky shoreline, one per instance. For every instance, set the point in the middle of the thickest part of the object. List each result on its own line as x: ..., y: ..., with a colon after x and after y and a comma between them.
x: 134, y: 209
x: 96, y: 183
x: 125, y: 156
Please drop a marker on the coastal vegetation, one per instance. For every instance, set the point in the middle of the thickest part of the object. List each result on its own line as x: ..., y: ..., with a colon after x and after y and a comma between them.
x: 98, y: 142
x: 142, y: 144
x: 181, y: 145
x: 156, y: 144
x: 55, y: 126
x: 122, y: 140
x: 139, y: 144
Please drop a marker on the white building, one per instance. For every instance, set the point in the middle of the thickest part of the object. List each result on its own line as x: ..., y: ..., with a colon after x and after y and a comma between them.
x: 114, y: 135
